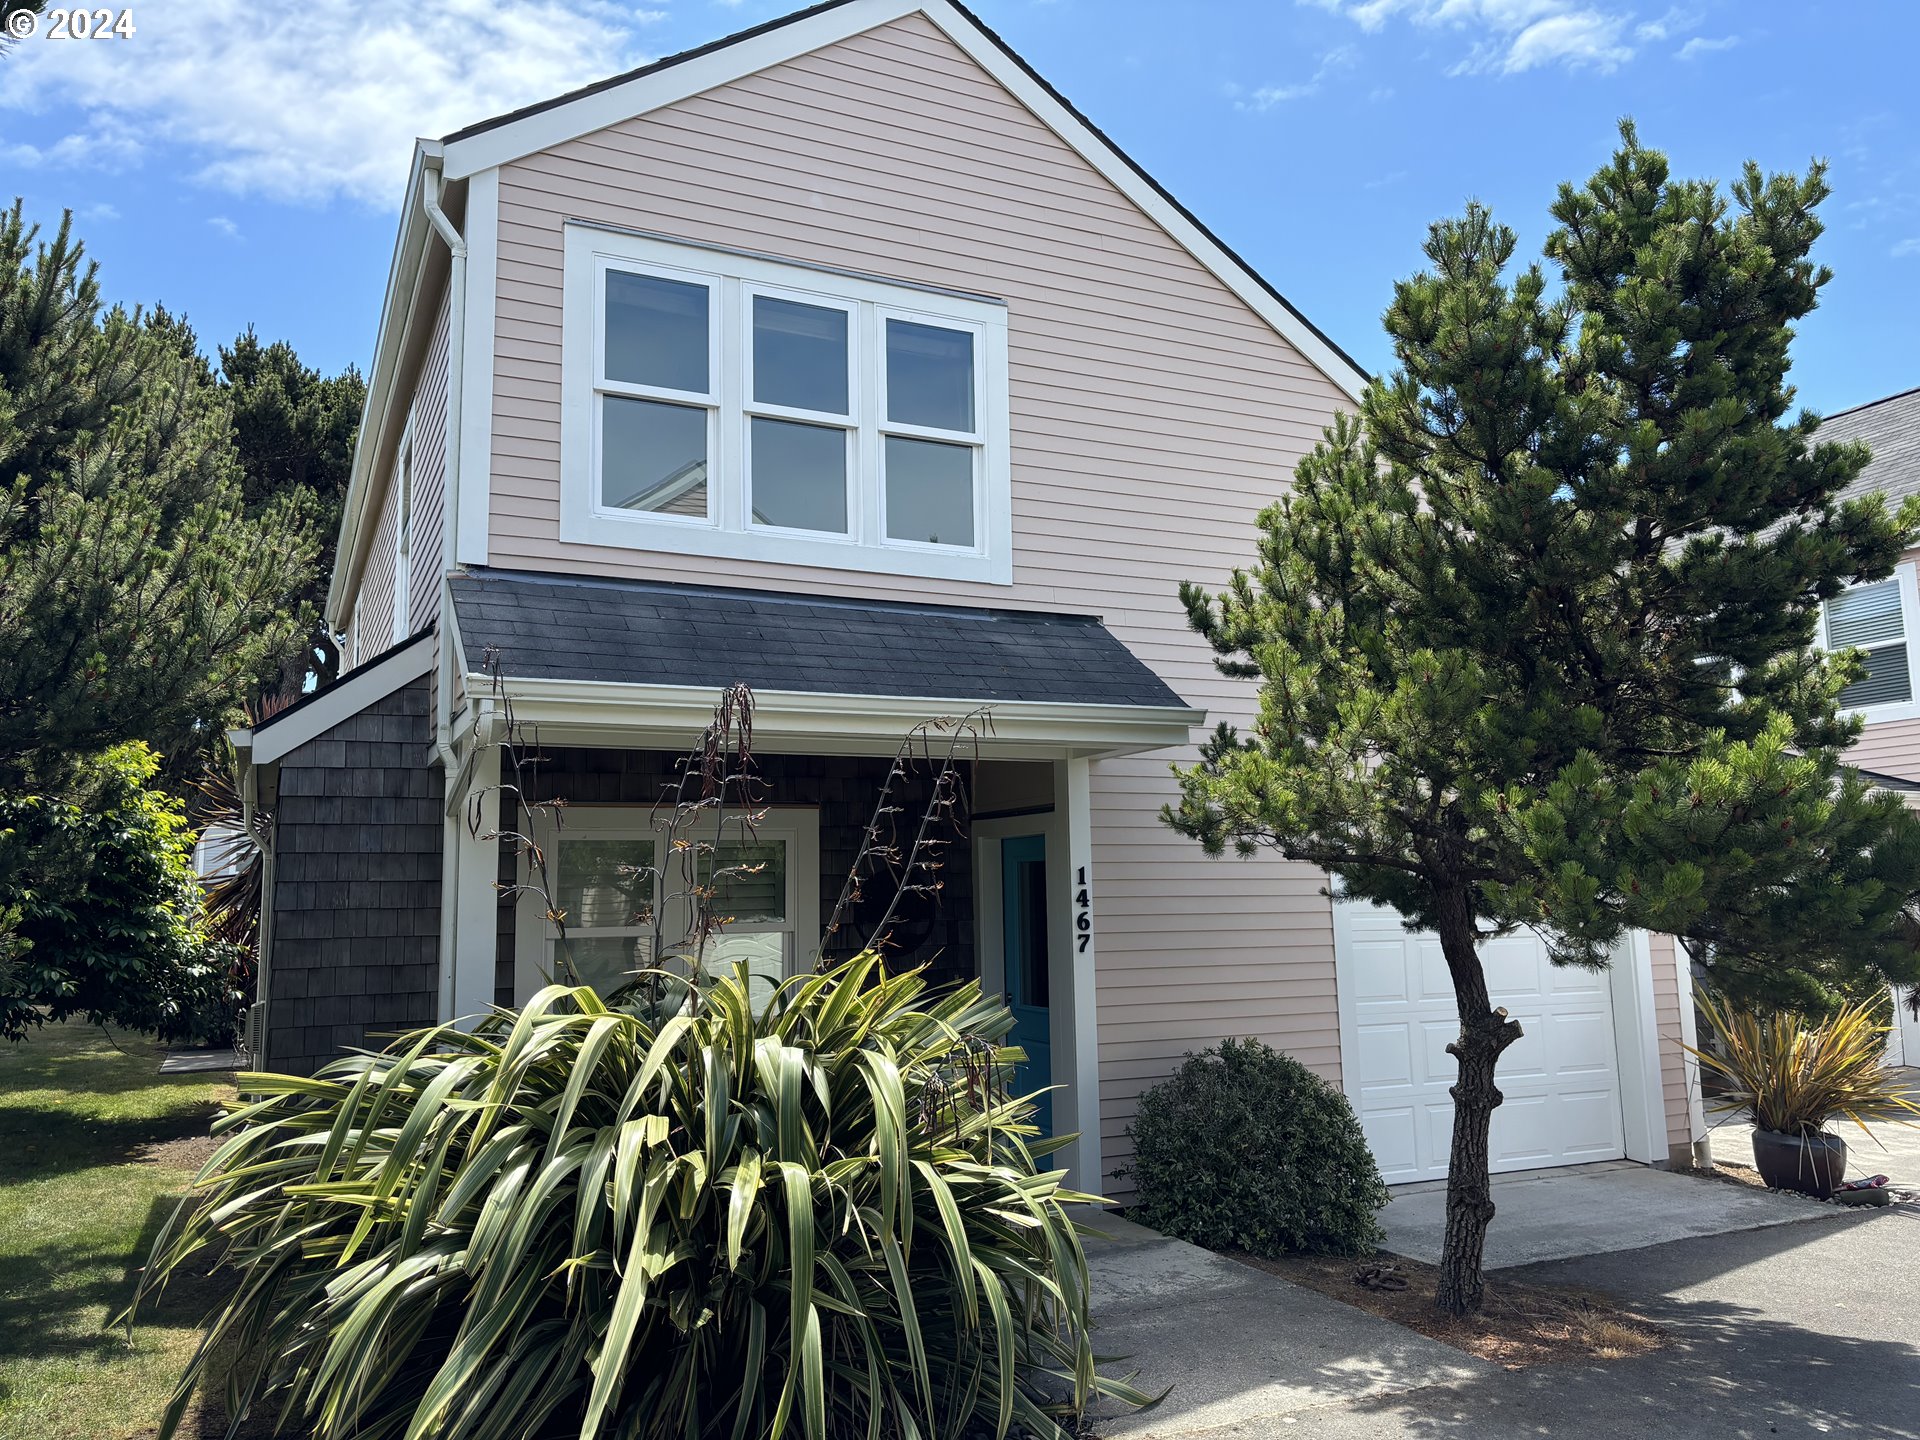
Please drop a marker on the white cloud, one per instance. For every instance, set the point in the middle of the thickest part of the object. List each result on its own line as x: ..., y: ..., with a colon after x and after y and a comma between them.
x: 1583, y: 37
x: 1674, y: 22
x: 1701, y: 45
x: 224, y: 226
x: 102, y: 211
x: 312, y: 101
x: 1511, y: 36
x: 1341, y: 57
x: 1906, y: 249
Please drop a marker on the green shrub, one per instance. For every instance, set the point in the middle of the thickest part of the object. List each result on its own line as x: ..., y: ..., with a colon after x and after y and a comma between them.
x: 589, y: 1218
x: 109, y: 917
x: 1246, y: 1149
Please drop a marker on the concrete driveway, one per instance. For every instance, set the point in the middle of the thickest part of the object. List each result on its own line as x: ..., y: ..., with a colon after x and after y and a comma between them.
x: 1808, y: 1326
x: 1592, y: 1210
x: 1797, y: 1330
x: 1888, y: 1149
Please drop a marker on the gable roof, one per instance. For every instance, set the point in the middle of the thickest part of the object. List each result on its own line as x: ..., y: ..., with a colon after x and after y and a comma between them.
x: 1891, y: 429
x: 541, y: 126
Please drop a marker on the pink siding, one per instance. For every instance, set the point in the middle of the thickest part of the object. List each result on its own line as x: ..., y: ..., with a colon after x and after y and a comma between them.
x: 1153, y: 414
x: 1673, y: 1059
x: 429, y: 477
x: 373, y: 606
x: 372, y: 624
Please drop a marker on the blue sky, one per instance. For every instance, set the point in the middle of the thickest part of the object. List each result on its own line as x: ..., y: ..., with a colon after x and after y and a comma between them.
x: 242, y: 162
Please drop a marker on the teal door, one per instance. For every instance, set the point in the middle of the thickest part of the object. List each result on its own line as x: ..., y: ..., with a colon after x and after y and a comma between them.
x: 1023, y: 909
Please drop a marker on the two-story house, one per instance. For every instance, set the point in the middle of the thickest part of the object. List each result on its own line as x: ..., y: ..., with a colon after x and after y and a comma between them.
x: 845, y: 358
x: 1882, y: 620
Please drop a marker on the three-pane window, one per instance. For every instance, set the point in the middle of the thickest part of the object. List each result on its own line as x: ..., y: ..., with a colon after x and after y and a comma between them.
x: 833, y: 416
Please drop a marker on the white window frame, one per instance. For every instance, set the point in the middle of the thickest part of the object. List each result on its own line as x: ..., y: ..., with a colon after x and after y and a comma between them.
x: 403, y: 539
x: 727, y: 532
x: 798, y: 825
x: 1904, y: 573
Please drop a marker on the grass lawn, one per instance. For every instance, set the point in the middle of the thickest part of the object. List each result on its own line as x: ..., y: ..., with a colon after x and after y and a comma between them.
x: 94, y: 1144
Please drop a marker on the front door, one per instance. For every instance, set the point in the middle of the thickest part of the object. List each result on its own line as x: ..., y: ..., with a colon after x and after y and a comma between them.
x: 1023, y: 909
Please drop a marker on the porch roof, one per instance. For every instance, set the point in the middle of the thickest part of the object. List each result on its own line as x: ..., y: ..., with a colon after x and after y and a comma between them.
x: 591, y: 654
x: 637, y: 633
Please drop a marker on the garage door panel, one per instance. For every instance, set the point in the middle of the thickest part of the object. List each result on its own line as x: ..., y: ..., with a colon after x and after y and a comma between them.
x: 1571, y: 980
x: 1436, y: 1066
x: 1525, y: 1059
x: 1512, y: 967
x: 1385, y: 1055
x: 1560, y: 1078
x: 1380, y: 972
x: 1393, y: 1138
x: 1436, y: 984
x: 1581, y: 1043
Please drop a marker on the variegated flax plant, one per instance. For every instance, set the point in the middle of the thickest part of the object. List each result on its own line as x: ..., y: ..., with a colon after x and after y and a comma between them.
x: 670, y: 1218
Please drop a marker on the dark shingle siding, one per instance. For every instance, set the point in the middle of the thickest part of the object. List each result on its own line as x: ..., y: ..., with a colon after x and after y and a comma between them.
x: 356, y: 903
x: 546, y: 627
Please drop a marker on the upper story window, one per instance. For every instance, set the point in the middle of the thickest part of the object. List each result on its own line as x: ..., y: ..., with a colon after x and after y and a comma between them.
x: 1882, y: 621
x: 730, y: 405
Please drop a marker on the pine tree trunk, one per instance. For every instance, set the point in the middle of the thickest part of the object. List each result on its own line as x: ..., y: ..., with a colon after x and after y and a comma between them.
x: 1484, y: 1033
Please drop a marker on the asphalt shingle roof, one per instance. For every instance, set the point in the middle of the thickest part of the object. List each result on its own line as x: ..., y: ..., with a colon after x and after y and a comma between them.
x: 564, y: 628
x: 1891, y: 429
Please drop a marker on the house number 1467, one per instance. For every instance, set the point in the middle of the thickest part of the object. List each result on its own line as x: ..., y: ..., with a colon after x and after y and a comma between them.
x: 1082, y: 914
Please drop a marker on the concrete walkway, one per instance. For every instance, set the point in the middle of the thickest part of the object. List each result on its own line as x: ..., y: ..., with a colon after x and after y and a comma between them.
x: 1240, y: 1347
x: 1592, y: 1210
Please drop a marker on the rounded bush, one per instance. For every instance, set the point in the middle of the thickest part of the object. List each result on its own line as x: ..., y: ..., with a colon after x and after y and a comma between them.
x: 662, y: 1215
x: 1246, y: 1149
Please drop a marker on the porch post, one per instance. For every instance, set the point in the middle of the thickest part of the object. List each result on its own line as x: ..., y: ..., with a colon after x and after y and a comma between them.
x: 469, y: 941
x: 1073, y: 804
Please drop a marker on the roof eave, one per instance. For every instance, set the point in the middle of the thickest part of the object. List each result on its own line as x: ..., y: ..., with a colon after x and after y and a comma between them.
x: 404, y: 279
x: 613, y: 713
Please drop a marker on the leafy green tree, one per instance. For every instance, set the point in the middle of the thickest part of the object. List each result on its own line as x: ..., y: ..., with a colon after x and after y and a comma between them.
x: 108, y: 911
x: 1533, y: 635
x: 138, y: 597
x: 294, y: 429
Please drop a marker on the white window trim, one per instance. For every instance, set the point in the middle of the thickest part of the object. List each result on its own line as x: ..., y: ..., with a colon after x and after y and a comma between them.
x: 1904, y: 573
x: 798, y: 825
x: 726, y: 533
x: 403, y: 539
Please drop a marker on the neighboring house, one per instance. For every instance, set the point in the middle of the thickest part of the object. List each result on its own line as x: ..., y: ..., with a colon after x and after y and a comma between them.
x: 1882, y: 620
x: 844, y: 358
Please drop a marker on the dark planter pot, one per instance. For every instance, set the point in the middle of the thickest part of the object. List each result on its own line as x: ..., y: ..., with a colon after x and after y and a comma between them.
x: 1811, y: 1164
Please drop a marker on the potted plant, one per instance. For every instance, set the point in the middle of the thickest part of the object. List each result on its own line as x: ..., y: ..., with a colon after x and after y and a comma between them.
x: 1791, y: 1075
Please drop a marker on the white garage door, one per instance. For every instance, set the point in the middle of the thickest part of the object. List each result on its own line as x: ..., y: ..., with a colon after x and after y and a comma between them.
x: 1561, y: 1078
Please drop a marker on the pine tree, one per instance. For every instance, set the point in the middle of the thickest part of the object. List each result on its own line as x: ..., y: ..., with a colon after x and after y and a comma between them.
x: 1533, y: 634
x: 138, y: 599
x: 294, y: 429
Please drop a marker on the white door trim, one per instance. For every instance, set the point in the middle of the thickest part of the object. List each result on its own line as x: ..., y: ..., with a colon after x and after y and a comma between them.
x: 1071, y: 1020
x: 1636, y: 1041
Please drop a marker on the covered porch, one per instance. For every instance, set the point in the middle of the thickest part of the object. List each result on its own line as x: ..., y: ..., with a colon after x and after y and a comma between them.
x: 1014, y: 899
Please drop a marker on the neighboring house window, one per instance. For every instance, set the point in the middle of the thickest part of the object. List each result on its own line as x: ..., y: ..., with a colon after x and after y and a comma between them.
x: 603, y: 872
x: 732, y: 405
x: 403, y: 551
x: 1879, y: 620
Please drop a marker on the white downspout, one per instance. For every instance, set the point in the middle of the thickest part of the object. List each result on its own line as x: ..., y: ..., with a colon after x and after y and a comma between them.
x: 431, y: 190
